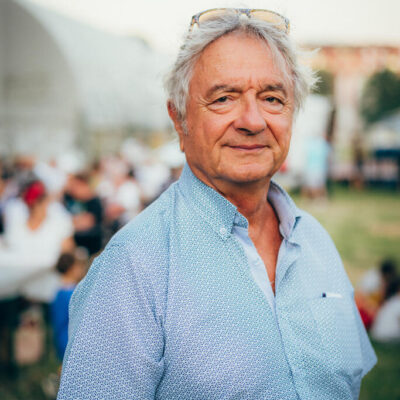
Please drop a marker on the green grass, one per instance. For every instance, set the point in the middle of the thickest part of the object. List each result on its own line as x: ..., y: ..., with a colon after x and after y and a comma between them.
x: 365, y: 227
x: 27, y: 384
x: 383, y: 382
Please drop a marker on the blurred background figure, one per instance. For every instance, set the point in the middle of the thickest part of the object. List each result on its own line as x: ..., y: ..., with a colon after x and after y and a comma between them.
x: 386, y: 325
x: 17, y: 177
x: 358, y: 159
x: 316, y: 167
x: 174, y: 159
x: 87, y: 212
x: 120, y: 193
x: 52, y: 176
x: 32, y: 243
x: 374, y: 290
x: 8, y: 190
x: 126, y: 201
x: 72, y: 268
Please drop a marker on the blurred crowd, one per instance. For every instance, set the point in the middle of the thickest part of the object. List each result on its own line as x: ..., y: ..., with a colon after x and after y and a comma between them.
x: 53, y: 221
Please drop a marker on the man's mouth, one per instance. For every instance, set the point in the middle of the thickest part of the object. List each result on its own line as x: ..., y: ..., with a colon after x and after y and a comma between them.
x: 248, y: 147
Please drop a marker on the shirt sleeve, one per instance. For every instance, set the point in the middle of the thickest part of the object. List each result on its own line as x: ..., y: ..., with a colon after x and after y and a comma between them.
x: 115, y: 350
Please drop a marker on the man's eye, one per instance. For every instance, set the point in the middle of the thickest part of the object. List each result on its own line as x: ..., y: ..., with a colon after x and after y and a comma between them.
x: 222, y: 99
x: 273, y: 100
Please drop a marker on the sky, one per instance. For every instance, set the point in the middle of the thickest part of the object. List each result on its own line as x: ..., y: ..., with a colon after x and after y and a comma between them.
x: 163, y: 22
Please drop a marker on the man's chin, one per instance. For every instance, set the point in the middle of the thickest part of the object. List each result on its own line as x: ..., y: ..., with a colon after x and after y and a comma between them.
x: 248, y: 176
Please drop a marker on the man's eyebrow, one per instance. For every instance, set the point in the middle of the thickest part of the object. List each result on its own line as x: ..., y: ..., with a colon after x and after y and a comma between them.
x: 222, y: 88
x: 274, y: 87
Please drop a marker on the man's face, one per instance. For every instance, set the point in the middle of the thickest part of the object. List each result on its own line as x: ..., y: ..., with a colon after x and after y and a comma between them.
x: 239, y: 113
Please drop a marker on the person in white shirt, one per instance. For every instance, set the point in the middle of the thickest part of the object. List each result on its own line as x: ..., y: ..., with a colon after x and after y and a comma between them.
x: 386, y: 326
x: 32, y: 244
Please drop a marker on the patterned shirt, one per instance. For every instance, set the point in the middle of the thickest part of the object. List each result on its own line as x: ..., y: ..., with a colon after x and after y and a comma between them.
x: 171, y: 310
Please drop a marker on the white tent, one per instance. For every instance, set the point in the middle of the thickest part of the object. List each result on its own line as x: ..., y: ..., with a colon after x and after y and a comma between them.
x: 59, y: 77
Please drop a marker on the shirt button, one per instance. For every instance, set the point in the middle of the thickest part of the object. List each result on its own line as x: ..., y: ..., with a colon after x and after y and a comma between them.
x: 223, y: 231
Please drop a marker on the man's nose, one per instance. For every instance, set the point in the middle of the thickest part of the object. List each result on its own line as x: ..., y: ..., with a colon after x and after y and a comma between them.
x: 250, y: 119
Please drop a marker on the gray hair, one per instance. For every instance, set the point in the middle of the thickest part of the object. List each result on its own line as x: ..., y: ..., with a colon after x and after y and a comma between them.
x: 195, y: 41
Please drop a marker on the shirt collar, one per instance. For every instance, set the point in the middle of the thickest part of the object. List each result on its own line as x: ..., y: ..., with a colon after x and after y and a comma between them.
x: 213, y: 207
x: 288, y: 213
x: 221, y: 214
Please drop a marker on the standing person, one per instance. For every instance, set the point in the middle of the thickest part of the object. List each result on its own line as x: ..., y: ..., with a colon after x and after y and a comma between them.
x: 316, y: 167
x: 222, y: 288
x: 87, y: 212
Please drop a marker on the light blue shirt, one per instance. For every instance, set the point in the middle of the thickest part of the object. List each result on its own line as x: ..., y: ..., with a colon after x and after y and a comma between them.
x: 172, y: 310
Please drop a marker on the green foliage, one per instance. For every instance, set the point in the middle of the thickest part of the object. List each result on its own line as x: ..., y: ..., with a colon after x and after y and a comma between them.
x: 324, y: 85
x: 381, y: 94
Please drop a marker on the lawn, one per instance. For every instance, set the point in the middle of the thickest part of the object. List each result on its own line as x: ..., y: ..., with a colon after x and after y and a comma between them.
x: 27, y: 384
x: 365, y: 227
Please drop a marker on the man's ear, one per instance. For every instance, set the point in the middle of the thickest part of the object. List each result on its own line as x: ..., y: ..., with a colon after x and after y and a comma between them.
x: 178, y: 124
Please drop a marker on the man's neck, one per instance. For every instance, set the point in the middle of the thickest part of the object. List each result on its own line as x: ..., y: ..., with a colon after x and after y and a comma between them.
x: 250, y: 200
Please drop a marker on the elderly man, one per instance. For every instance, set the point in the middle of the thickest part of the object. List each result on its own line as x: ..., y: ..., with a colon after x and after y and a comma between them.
x: 222, y: 288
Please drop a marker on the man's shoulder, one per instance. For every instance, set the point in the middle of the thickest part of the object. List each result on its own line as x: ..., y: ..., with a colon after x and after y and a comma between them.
x: 309, y: 230
x: 136, y: 255
x: 316, y: 242
x: 308, y: 223
x: 148, y: 232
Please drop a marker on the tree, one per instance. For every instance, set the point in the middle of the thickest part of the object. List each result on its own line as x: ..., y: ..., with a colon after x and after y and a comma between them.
x: 381, y: 94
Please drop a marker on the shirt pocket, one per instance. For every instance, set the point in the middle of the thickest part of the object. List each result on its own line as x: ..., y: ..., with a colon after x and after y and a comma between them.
x: 338, y: 333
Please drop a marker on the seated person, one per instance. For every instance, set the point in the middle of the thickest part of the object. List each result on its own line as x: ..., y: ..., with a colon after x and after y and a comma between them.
x: 374, y: 290
x: 386, y: 326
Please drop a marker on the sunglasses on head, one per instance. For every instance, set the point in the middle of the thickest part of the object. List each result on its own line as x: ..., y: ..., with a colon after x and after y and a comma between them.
x: 272, y: 17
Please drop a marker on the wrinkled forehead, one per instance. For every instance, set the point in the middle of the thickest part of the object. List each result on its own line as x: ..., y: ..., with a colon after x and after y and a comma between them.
x: 221, y: 58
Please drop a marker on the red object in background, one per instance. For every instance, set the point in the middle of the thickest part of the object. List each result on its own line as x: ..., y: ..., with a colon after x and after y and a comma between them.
x: 366, y: 318
x: 33, y: 192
